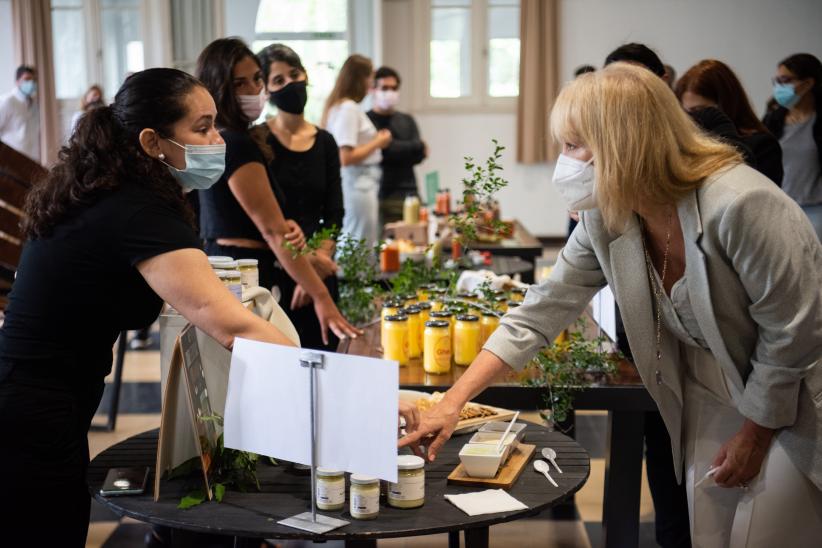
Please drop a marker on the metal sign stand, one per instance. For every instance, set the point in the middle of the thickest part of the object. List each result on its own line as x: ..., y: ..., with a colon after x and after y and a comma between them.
x: 311, y: 521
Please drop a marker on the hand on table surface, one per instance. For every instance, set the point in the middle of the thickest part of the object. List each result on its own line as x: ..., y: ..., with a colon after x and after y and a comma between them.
x: 436, y: 424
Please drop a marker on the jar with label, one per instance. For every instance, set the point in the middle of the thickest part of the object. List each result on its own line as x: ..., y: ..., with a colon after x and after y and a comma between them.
x: 446, y: 316
x: 365, y: 497
x: 409, y: 491
x: 330, y: 489
x: 411, y: 210
x: 414, y: 327
x: 488, y: 324
x: 232, y: 280
x: 518, y: 294
x: 395, y: 343
x: 390, y: 258
x: 467, y: 335
x: 389, y: 308
x: 249, y: 272
x: 437, y: 347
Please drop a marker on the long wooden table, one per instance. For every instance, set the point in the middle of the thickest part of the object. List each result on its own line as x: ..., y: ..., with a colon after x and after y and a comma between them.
x: 624, y: 398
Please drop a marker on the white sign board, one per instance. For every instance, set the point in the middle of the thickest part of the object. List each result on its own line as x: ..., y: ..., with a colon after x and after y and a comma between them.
x: 268, y: 408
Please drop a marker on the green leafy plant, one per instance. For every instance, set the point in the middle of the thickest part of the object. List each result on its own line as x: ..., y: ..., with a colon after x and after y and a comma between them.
x: 230, y: 468
x: 359, y: 289
x: 567, y: 367
x: 314, y: 242
x: 479, y: 188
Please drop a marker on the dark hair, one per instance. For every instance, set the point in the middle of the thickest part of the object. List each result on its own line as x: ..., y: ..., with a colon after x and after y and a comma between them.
x: 584, y: 69
x: 637, y: 53
x: 104, y: 151
x: 24, y: 69
x: 215, y: 69
x: 278, y: 52
x: 387, y: 72
x: 804, y: 66
x: 352, y: 82
x: 714, y: 80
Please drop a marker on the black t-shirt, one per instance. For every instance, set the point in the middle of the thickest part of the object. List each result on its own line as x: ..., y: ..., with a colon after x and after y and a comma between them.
x: 78, y: 288
x: 310, y: 181
x: 221, y: 215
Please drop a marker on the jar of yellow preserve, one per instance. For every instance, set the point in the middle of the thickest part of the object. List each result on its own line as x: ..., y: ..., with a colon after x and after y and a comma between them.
x: 395, y: 343
x: 501, y: 304
x: 467, y: 296
x: 437, y: 304
x: 518, y: 294
x: 445, y: 316
x: 424, y: 292
x: 414, y: 328
x: 389, y: 308
x: 467, y: 335
x: 330, y: 489
x: 249, y: 272
x: 488, y: 324
x: 409, y: 491
x: 365, y: 497
x: 437, y: 351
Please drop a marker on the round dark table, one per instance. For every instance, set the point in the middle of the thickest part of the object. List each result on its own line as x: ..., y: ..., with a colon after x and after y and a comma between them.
x: 285, y: 493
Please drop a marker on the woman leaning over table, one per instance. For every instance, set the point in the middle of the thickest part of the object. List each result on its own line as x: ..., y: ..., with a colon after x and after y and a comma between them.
x: 241, y: 215
x: 719, y: 278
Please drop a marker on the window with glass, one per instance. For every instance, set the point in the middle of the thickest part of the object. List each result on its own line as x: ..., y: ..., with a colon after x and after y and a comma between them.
x: 473, y: 51
x: 122, y: 43
x: 318, y: 31
x: 69, y: 48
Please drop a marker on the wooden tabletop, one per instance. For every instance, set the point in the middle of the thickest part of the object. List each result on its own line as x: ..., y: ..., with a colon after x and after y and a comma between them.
x: 285, y: 493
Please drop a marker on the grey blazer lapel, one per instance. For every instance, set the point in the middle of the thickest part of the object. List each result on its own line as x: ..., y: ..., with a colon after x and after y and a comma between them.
x: 699, y: 288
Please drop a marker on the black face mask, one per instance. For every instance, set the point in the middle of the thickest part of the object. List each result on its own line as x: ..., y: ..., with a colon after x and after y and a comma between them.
x: 291, y: 98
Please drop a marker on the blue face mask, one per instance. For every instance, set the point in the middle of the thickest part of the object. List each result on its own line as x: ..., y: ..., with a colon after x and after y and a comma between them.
x: 785, y: 95
x: 28, y: 87
x: 205, y: 165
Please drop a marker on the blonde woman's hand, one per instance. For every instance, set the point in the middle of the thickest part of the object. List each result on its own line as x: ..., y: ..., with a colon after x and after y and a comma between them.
x: 411, y: 414
x: 437, y: 424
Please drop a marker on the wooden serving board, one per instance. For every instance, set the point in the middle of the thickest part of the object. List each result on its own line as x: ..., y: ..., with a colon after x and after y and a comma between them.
x: 507, y: 475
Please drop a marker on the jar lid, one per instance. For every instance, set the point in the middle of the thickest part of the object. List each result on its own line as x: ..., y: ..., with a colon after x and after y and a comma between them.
x: 427, y: 286
x: 225, y: 265
x: 440, y: 314
x: 488, y: 313
x: 219, y: 259
x: 409, y: 462
x: 467, y: 318
x: 513, y: 304
x: 361, y: 479
x: 413, y: 309
x: 222, y: 274
x: 498, y: 292
x: 396, y: 318
x: 248, y: 262
x: 233, y: 273
x: 390, y: 304
x: 329, y: 472
x: 438, y: 290
x: 520, y: 290
x: 409, y: 296
x: 500, y: 299
x: 437, y: 323
x: 425, y: 305
x: 466, y: 295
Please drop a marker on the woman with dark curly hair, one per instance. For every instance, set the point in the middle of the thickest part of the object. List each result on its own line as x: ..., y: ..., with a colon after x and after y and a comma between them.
x: 110, y: 237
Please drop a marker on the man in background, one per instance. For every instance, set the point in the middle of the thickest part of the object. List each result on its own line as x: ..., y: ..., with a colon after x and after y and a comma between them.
x: 405, y: 151
x: 20, y: 115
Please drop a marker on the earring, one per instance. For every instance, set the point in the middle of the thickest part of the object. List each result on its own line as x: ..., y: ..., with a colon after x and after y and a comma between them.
x: 162, y: 156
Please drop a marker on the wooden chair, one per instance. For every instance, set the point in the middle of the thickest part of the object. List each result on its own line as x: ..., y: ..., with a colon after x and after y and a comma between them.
x: 17, y: 175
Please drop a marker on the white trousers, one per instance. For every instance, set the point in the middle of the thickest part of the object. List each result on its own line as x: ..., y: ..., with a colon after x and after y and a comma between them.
x: 781, y: 508
x: 361, y: 186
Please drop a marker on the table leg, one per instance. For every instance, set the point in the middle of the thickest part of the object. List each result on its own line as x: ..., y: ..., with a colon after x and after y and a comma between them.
x: 623, y: 477
x: 476, y: 538
x: 454, y: 539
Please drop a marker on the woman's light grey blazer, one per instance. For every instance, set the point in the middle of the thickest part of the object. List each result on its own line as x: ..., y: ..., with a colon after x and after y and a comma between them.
x: 754, y: 276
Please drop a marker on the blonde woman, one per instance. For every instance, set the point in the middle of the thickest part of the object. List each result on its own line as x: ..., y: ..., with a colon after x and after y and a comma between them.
x: 360, y: 148
x: 719, y: 278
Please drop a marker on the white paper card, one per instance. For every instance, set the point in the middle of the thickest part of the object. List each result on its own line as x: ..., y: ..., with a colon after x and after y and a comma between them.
x: 490, y: 501
x: 268, y: 408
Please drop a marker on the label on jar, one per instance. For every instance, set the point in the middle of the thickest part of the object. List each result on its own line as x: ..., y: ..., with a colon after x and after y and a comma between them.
x: 365, y: 504
x: 237, y: 290
x: 250, y: 277
x: 331, y: 492
x: 442, y: 351
x: 408, y: 488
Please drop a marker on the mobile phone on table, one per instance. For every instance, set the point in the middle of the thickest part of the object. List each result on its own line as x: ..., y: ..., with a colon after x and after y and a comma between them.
x: 125, y: 481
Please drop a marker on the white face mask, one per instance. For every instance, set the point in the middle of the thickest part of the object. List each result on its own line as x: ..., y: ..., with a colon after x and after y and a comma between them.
x: 386, y: 99
x: 575, y: 181
x: 252, y: 105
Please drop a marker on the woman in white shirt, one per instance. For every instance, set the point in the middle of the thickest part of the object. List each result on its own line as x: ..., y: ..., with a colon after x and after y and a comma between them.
x: 360, y: 148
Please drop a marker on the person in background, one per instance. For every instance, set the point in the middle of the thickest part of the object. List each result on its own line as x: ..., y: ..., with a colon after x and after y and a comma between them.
x: 672, y: 526
x: 405, y: 151
x: 360, y: 145
x: 92, y: 98
x: 670, y: 75
x: 794, y: 120
x: 722, y: 275
x: 712, y: 83
x: 20, y: 114
x: 241, y: 215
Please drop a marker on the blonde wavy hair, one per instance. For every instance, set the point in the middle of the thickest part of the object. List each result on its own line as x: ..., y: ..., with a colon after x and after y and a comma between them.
x: 647, y: 151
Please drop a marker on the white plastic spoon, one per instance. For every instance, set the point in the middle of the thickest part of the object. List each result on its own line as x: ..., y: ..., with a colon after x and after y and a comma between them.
x: 542, y: 466
x: 551, y: 455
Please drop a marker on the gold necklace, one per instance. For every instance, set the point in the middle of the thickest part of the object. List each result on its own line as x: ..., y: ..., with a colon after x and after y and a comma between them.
x: 657, y: 288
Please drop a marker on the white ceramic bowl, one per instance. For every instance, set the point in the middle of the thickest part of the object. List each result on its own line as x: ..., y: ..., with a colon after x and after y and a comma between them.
x: 492, y: 439
x: 481, y: 460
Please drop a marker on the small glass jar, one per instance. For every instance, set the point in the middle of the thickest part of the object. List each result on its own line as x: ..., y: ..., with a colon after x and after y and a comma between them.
x: 232, y: 280
x: 389, y: 308
x: 395, y: 343
x: 409, y: 491
x: 249, y: 272
x: 414, y: 328
x: 501, y: 304
x: 437, y: 304
x: 365, y: 497
x: 425, y: 310
x: 467, y: 335
x: 437, y: 347
x: 446, y: 316
x: 488, y: 324
x: 518, y: 294
x: 467, y: 296
x: 330, y: 489
x: 409, y: 299
x: 424, y: 292
x: 217, y: 260
x: 411, y: 210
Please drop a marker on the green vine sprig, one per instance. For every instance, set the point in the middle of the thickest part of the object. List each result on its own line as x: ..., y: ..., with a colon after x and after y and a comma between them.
x: 359, y: 289
x: 314, y: 242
